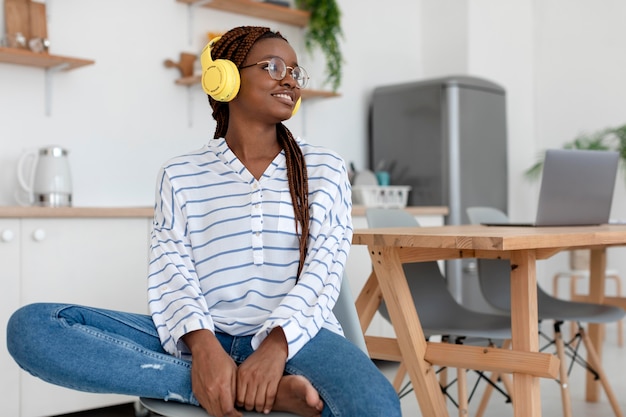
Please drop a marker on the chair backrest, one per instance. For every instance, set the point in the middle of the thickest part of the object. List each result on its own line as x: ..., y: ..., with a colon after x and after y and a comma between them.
x: 492, y: 273
x: 345, y: 311
x: 496, y: 288
x: 381, y: 217
x: 478, y: 215
x: 434, y: 303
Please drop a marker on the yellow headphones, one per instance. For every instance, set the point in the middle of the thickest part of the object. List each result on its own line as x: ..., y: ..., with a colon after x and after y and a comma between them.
x: 220, y: 78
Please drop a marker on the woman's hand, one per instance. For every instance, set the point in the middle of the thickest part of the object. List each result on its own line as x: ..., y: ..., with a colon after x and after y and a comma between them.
x: 213, y: 374
x: 259, y: 375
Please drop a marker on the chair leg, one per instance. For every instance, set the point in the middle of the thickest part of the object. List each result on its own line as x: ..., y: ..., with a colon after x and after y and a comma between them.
x: 620, y: 323
x: 574, y: 296
x: 461, y: 380
x: 555, y: 284
x: 563, y: 378
x: 487, y: 395
x: 399, y: 378
x: 594, y: 361
x: 506, y: 381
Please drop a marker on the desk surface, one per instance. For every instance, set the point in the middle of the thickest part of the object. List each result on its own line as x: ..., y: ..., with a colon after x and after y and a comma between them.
x: 390, y: 247
x: 491, y: 238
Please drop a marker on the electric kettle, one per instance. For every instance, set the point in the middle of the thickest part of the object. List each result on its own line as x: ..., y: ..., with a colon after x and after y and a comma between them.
x: 44, y: 176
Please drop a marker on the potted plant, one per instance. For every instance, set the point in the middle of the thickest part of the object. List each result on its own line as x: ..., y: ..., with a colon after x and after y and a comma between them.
x: 323, y: 31
x: 609, y: 139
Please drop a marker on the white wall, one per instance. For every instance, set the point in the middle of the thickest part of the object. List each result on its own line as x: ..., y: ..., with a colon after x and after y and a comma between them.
x: 124, y: 116
x: 580, y: 86
x: 561, y: 63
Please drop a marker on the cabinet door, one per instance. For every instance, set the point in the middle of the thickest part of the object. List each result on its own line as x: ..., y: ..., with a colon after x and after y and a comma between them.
x: 96, y: 262
x: 9, y: 302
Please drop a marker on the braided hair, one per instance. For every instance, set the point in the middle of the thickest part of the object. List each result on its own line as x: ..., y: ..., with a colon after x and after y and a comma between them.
x: 235, y: 45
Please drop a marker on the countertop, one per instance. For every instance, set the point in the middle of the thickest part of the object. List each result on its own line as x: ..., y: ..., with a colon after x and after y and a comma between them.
x: 69, y: 212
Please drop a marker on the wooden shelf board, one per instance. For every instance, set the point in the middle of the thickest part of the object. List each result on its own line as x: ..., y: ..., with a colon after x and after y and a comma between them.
x: 41, y: 60
x: 306, y: 93
x: 269, y: 11
x: 194, y: 79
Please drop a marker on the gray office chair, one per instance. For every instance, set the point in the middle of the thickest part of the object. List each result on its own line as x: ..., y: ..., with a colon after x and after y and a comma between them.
x: 439, y: 312
x: 344, y: 310
x: 496, y: 289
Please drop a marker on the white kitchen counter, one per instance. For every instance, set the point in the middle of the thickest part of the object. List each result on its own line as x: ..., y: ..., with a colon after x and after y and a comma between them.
x: 48, y: 253
x: 54, y: 212
x: 69, y: 212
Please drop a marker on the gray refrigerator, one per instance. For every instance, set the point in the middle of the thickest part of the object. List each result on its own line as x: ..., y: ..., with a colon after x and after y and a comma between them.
x: 447, y: 139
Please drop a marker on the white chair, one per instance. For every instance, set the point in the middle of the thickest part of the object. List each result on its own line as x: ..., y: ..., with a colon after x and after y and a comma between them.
x: 345, y: 312
x: 439, y: 313
x: 492, y: 275
x: 579, y: 270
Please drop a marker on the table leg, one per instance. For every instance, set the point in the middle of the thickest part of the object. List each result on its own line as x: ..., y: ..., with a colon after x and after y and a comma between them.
x: 410, y: 336
x: 368, y: 301
x: 524, y: 326
x: 597, y: 270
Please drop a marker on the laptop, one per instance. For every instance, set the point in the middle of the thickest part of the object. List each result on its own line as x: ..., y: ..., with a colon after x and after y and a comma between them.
x: 576, y: 188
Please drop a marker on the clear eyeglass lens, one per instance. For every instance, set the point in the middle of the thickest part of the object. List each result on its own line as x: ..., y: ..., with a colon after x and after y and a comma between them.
x: 299, y: 74
x: 278, y: 69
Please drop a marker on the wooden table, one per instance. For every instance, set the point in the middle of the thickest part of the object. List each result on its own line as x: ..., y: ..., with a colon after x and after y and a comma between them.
x: 390, y: 247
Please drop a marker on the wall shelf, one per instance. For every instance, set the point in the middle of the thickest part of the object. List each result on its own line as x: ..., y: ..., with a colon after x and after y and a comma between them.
x: 40, y: 60
x: 51, y: 63
x: 252, y: 8
x: 269, y: 11
x: 306, y: 93
x: 309, y: 94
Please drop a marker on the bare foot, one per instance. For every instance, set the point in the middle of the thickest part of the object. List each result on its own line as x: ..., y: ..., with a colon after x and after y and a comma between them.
x: 296, y: 395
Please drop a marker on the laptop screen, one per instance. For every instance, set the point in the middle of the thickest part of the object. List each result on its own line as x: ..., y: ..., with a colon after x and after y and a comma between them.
x: 576, y: 187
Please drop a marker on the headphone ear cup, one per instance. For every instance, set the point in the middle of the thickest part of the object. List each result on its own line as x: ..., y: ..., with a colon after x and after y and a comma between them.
x: 296, y: 107
x: 220, y: 78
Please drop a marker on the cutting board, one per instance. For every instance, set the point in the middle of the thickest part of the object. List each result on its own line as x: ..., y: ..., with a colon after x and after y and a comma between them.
x: 17, y: 17
x: 38, y: 24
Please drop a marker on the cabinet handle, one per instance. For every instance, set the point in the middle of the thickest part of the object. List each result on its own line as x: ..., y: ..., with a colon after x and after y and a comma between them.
x: 7, y: 235
x: 39, y: 235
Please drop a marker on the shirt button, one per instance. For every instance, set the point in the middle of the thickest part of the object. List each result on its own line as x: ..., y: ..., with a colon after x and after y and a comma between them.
x: 257, y: 233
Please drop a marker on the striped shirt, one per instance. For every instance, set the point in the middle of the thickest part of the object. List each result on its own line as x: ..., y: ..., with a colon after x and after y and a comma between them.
x: 224, y: 250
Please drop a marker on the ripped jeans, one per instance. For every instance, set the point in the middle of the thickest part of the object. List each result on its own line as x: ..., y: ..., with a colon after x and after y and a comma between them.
x: 104, y: 351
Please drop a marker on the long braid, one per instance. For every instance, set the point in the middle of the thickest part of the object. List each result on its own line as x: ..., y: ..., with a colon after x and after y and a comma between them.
x: 234, y: 45
x: 298, y: 186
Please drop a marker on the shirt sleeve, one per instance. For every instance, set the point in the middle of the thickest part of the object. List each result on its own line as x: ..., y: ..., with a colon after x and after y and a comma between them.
x: 175, y: 299
x: 308, y: 306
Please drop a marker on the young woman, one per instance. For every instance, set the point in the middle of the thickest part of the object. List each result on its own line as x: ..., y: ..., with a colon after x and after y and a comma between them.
x: 249, y: 242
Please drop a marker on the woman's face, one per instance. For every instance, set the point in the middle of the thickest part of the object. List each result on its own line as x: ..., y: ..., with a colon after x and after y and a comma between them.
x: 261, y: 96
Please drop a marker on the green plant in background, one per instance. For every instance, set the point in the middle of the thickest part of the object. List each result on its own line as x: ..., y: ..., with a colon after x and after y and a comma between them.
x: 324, y: 30
x: 609, y: 139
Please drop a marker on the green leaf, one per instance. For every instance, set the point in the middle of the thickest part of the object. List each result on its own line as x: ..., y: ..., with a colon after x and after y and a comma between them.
x: 323, y: 31
x: 609, y: 139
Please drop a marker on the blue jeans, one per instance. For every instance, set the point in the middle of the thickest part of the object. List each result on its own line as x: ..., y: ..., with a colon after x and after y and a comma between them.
x: 105, y: 351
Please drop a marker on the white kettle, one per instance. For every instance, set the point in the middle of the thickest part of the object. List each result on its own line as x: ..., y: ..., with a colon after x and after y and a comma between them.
x: 44, y: 175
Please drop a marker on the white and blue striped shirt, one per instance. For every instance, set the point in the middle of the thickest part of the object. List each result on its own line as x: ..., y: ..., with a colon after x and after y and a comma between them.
x: 224, y: 249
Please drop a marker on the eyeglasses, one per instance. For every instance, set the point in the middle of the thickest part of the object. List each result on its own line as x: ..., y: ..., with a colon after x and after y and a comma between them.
x: 277, y: 69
